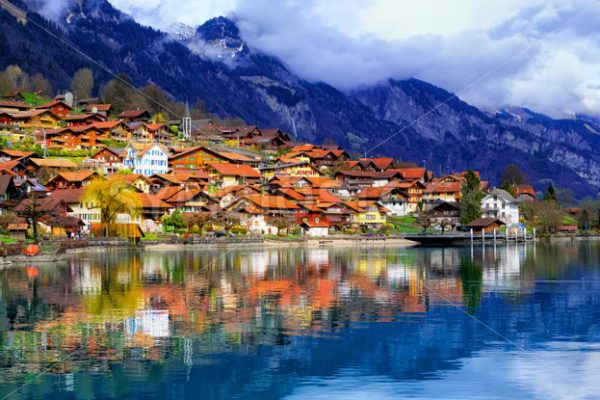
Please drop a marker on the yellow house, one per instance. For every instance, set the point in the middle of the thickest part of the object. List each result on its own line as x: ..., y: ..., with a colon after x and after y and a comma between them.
x: 300, y: 168
x: 367, y: 213
x: 36, y: 119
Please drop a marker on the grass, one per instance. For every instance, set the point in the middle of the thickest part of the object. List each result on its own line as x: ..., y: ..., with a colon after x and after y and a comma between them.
x: 33, y: 99
x: 8, y: 240
x: 405, y: 224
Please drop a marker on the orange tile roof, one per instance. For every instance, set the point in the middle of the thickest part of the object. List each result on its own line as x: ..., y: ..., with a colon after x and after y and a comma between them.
x: 322, y: 194
x: 53, y: 162
x: 236, y: 156
x: 271, y: 202
x: 373, y: 192
x: 75, y: 176
x: 412, y: 173
x: 152, y: 201
x: 443, y: 187
x: 107, y: 124
x: 235, y: 170
x: 292, y: 193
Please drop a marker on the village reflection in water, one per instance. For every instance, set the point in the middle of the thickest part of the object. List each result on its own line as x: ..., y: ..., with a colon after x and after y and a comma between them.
x: 133, y: 308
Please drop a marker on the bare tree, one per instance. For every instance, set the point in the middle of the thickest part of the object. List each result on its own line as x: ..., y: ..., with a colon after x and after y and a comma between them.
x: 424, y: 220
x: 82, y: 83
x: 445, y: 223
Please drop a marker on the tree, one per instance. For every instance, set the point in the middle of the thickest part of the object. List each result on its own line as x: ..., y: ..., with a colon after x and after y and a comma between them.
x: 13, y: 79
x: 199, y: 219
x: 82, y: 83
x: 471, y: 195
x: 112, y: 196
x: 548, y: 217
x: 32, y: 210
x: 445, y: 223
x: 227, y: 220
x: 514, y: 175
x: 583, y: 220
x: 40, y: 85
x: 424, y: 220
x: 174, y: 221
x: 281, y: 223
x: 550, y: 193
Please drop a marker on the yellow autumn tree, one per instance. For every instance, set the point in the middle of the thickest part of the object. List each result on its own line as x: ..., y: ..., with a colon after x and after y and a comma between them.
x: 112, y: 196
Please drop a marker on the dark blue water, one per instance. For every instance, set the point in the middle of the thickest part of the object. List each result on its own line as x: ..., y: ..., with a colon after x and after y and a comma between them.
x: 517, y: 322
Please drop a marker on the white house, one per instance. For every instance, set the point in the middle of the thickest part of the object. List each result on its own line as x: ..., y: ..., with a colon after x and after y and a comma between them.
x: 147, y: 160
x: 502, y: 205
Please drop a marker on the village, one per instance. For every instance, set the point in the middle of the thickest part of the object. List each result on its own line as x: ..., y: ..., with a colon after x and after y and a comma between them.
x: 194, y: 177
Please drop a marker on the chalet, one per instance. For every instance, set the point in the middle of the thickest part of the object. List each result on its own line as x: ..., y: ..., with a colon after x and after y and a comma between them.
x: 525, y: 193
x: 352, y: 182
x: 15, y: 168
x: 239, y: 133
x: 187, y: 200
x: 446, y: 211
x: 487, y: 225
x: 51, y: 165
x: 76, y: 137
x: 71, y: 179
x: 8, y: 192
x: 322, y: 157
x: 7, y: 119
x: 229, y: 194
x: 147, y: 159
x: 8, y: 155
x: 100, y: 109
x: 153, y: 208
x: 198, y: 157
x: 302, y: 168
x: 137, y: 181
x: 58, y: 107
x: 148, y: 133
x: 82, y: 119
x: 499, y: 204
x: 413, y: 191
x: 115, y: 130
x: 339, y: 215
x: 315, y: 226
x: 110, y: 159
x: 233, y: 174
x: 367, y: 213
x: 236, y: 158
x: 36, y: 119
x: 13, y: 96
x: 182, y: 178
x: 135, y: 115
x: 72, y: 198
x: 391, y: 198
x: 12, y: 106
x: 443, y: 191
x: 268, y: 205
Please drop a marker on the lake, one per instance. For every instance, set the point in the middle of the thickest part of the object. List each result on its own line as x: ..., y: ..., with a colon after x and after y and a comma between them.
x: 520, y: 321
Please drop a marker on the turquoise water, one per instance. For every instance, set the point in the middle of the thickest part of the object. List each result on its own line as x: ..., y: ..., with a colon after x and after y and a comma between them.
x: 519, y: 321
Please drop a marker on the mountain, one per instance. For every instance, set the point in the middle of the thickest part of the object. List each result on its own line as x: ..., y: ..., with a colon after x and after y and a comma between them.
x: 212, y: 62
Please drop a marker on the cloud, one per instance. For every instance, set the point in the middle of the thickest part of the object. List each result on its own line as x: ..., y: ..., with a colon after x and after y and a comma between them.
x: 473, y: 48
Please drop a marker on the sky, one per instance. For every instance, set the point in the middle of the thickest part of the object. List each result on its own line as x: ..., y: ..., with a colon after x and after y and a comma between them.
x: 541, y: 54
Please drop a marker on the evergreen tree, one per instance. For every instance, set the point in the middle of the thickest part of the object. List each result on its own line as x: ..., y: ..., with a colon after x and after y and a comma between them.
x: 471, y: 195
x: 550, y: 193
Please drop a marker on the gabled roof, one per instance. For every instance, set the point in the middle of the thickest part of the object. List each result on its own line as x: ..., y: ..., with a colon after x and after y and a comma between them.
x: 5, y: 182
x: 443, y: 187
x: 129, y: 114
x: 373, y: 193
x: 313, y: 224
x: 109, y: 124
x: 16, y: 154
x: 69, y: 196
x: 13, y: 104
x: 152, y: 201
x: 204, y: 149
x: 82, y: 117
x: 235, y: 170
x: 291, y: 193
x: 72, y: 176
x: 31, y: 114
x: 412, y: 173
x: 236, y: 156
x: 54, y: 103
x: 321, y: 194
x: 503, y: 194
x: 484, y: 222
x: 271, y: 202
x: 52, y: 162
x: 99, y: 107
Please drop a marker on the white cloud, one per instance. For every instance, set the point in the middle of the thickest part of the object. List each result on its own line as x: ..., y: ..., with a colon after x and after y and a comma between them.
x: 450, y: 43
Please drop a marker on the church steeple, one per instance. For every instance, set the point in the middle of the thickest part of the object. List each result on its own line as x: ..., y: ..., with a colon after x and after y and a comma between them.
x: 186, y: 122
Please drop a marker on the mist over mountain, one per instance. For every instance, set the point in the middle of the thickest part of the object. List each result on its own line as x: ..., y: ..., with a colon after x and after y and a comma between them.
x: 213, y: 62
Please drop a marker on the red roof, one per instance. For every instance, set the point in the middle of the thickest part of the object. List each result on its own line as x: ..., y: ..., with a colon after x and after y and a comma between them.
x: 129, y: 114
x: 152, y: 201
x: 412, y: 173
x: 51, y: 104
x: 235, y: 170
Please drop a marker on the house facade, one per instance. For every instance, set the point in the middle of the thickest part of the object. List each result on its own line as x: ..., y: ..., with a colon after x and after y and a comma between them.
x: 499, y: 204
x: 147, y: 160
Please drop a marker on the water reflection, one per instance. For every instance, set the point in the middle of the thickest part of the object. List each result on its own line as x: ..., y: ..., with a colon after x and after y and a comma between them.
x: 277, y: 322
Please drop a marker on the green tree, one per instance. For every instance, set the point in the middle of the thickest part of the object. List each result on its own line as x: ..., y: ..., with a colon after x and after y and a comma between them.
x: 471, y: 195
x: 112, y: 196
x: 550, y: 193
x: 583, y: 220
x: 174, y: 221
